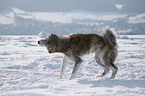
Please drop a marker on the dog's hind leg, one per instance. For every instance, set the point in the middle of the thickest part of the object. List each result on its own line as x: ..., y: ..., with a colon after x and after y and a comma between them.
x: 111, y: 58
x: 63, y: 67
x: 114, y: 69
x: 78, y: 62
x: 102, y: 63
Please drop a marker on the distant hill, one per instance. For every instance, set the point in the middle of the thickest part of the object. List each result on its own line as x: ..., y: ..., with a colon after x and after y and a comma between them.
x: 19, y: 22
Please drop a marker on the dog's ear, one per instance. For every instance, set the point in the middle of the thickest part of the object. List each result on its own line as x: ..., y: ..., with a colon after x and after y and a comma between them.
x: 54, y: 36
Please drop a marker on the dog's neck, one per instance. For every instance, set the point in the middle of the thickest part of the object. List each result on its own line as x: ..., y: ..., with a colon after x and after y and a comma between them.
x: 64, y: 44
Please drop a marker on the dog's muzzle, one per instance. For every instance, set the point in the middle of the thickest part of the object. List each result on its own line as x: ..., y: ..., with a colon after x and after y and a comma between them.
x: 42, y: 43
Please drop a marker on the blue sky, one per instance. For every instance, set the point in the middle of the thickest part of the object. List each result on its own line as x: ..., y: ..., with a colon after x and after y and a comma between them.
x: 69, y: 5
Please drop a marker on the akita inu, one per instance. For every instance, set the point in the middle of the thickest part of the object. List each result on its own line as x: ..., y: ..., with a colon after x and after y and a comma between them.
x: 76, y: 45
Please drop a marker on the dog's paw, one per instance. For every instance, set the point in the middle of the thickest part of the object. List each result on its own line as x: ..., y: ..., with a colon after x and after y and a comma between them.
x: 60, y: 77
x: 111, y: 77
x: 99, y: 76
x: 70, y: 78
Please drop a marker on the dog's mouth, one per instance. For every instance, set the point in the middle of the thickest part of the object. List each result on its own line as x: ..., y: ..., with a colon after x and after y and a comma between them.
x: 49, y: 51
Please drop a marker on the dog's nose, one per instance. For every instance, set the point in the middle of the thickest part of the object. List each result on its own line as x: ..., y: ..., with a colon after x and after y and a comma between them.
x: 38, y: 42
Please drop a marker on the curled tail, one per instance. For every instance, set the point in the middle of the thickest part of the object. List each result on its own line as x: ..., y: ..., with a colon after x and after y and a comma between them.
x: 110, y: 38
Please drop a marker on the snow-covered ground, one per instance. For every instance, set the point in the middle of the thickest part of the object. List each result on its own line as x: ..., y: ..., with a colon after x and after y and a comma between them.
x: 27, y: 69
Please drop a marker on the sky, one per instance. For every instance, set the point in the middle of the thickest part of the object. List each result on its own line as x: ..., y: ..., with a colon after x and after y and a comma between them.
x: 73, y: 5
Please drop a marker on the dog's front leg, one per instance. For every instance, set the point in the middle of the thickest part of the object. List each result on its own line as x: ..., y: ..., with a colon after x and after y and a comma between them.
x: 76, y: 67
x: 65, y: 61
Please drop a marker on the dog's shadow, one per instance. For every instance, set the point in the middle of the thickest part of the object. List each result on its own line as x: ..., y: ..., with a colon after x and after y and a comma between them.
x: 113, y: 83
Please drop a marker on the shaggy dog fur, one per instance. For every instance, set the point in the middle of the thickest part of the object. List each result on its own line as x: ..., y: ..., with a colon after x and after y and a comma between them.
x: 77, y: 45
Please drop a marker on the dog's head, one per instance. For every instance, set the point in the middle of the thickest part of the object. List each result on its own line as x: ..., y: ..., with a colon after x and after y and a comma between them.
x: 51, y: 43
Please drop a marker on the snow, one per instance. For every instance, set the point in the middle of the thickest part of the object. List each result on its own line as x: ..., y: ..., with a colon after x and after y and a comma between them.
x: 18, y: 22
x: 70, y: 17
x: 7, y: 18
x: 42, y: 35
x: 29, y: 70
x: 61, y: 17
x: 140, y: 18
x: 21, y: 13
x: 119, y: 6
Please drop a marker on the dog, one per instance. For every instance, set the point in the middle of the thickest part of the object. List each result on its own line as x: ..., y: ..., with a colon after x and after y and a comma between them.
x: 76, y: 45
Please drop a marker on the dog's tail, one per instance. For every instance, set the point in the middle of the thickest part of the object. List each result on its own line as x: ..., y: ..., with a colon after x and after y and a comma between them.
x: 110, y: 38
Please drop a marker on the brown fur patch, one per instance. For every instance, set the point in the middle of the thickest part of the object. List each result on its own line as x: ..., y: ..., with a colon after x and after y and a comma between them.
x: 83, y: 43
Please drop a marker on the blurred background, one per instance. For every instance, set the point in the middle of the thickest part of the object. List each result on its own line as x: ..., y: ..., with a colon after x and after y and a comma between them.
x: 30, y: 17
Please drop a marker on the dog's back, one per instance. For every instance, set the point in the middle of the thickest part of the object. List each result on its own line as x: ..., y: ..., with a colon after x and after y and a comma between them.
x: 84, y: 43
